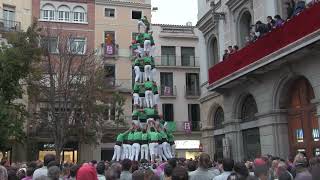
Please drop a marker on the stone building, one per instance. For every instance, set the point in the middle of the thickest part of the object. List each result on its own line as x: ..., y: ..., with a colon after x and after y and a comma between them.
x: 264, y: 99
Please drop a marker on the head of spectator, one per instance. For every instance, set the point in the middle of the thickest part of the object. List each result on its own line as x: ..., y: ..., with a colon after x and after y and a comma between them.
x: 5, y: 162
x: 48, y: 158
x: 285, y: 176
x: 233, y: 176
x: 73, y: 171
x: 134, y: 166
x: 126, y: 165
x: 3, y: 173
x: 101, y: 168
x: 300, y: 160
x: 111, y: 174
x: 270, y: 20
x: 278, y: 17
x: 235, y: 48
x: 52, y: 163
x: 31, y: 167
x: 204, y: 161
x: 241, y: 170
x: 168, y: 170
x: 21, y: 173
x: 93, y: 163
x: 173, y: 162
x: 227, y: 164
x: 138, y: 175
x: 230, y: 49
x: 86, y: 172
x: 116, y: 167
x: 54, y: 173
x: 260, y: 168
x: 192, y: 166
x: 179, y: 173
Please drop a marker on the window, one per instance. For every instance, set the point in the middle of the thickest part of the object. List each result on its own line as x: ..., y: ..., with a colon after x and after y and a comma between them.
x: 109, y: 12
x: 167, y: 111
x: 249, y: 109
x: 218, y: 141
x: 109, y: 43
x: 251, y: 143
x: 48, y: 12
x: 188, y: 56
x: 218, y: 118
x: 79, y: 14
x: 110, y: 75
x: 192, y: 83
x: 244, y: 27
x: 9, y: 17
x: 168, y: 55
x: 50, y: 43
x: 78, y: 45
x: 166, y: 81
x: 194, y: 116
x: 64, y: 13
x: 136, y: 14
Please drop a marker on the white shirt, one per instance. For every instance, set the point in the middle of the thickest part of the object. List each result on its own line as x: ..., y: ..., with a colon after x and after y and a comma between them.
x: 40, y: 172
x: 223, y: 176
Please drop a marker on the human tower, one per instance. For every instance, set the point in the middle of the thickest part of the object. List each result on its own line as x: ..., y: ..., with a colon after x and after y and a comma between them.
x: 149, y: 137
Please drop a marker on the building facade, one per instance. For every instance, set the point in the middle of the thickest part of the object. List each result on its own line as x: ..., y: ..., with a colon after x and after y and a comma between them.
x: 177, y: 62
x: 115, y: 28
x: 264, y: 99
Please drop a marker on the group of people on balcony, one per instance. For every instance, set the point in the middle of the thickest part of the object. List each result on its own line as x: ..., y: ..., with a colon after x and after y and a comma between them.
x: 259, y: 29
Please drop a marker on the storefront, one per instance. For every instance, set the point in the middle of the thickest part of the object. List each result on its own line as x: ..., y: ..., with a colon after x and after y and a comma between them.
x: 69, y: 153
x: 189, y: 149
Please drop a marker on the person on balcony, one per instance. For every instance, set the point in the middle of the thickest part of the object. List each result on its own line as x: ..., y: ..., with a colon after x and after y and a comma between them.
x: 235, y: 48
x: 148, y: 85
x: 299, y: 7
x: 147, y: 68
x: 137, y: 137
x: 261, y: 28
x: 278, y: 21
x: 225, y: 55
x: 230, y: 49
x: 271, y: 22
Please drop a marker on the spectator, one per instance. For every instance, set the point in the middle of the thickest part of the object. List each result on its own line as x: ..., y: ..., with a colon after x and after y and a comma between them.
x: 53, y: 173
x: 126, y: 166
x: 214, y: 169
x: 290, y: 7
x: 241, y: 170
x: 21, y: 173
x: 278, y: 21
x: 260, y: 168
x: 225, y: 55
x: 315, y: 167
x: 44, y: 170
x: 282, y: 171
x: 180, y: 173
x: 202, y: 173
x: 111, y: 175
x: 31, y: 167
x: 233, y: 176
x: 3, y: 173
x: 300, y: 163
x: 271, y: 22
x: 191, y: 165
x: 101, y: 171
x: 235, y: 48
x: 87, y: 172
x: 227, y: 165
x: 138, y: 175
x: 261, y: 28
x: 116, y: 168
x: 300, y: 5
x: 168, y: 172
x: 230, y: 49
x: 5, y: 163
x: 73, y: 172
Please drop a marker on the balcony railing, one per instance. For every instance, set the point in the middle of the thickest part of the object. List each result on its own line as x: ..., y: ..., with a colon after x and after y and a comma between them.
x: 177, y: 61
x: 110, y: 51
x: 168, y: 91
x: 257, y: 54
x: 168, y: 60
x: 195, y: 126
x: 9, y: 26
x: 189, y: 61
x: 192, y: 92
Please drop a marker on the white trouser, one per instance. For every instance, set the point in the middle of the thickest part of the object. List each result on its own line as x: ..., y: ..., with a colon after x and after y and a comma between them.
x: 166, y: 150
x: 154, y: 74
x: 147, y: 73
x: 135, y: 99
x: 137, y: 73
x: 140, y: 23
x: 126, y: 151
x: 156, y: 99
x: 141, y: 101
x: 122, y: 152
x: 149, y: 98
x: 145, y: 151
x: 153, y: 150
x: 160, y: 153
x: 173, y: 150
x: 147, y: 46
x: 129, y: 151
x: 135, y: 152
x: 116, y: 153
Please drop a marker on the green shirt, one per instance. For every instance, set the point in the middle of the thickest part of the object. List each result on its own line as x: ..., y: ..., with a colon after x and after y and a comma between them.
x: 135, y: 113
x: 144, y: 136
x: 134, y: 46
x: 142, y: 91
x: 163, y: 135
x: 142, y: 115
x: 159, y: 136
x: 148, y: 85
x: 170, y: 137
x: 136, y: 88
x: 131, y: 136
x: 137, y: 135
x: 139, y: 38
x: 147, y: 36
x: 137, y: 62
x: 149, y: 111
x: 147, y: 60
x: 153, y: 136
x: 155, y: 89
x: 120, y: 137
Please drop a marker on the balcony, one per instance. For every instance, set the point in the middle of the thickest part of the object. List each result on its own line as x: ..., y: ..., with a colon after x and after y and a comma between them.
x: 168, y: 92
x: 189, y: 61
x: 192, y: 93
x: 195, y: 126
x: 9, y: 26
x: 122, y: 85
x: 110, y: 51
x: 174, y: 61
x: 167, y: 60
x: 295, y: 34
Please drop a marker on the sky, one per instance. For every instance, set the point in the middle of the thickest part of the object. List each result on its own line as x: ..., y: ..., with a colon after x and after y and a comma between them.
x: 177, y: 12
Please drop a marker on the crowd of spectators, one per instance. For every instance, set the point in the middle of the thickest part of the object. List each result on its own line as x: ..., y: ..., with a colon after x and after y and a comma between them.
x: 201, y: 168
x: 259, y: 29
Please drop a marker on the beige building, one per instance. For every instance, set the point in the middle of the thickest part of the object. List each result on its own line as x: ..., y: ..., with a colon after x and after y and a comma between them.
x: 15, y: 14
x: 177, y: 63
x: 115, y: 27
x: 264, y: 99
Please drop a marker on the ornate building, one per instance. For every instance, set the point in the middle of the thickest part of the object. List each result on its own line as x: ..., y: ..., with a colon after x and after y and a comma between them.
x: 264, y: 99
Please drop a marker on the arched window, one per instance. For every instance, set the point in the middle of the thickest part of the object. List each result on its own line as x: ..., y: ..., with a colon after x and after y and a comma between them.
x: 48, y: 11
x: 248, y: 109
x: 79, y: 14
x: 245, y: 23
x: 213, y: 52
x: 218, y: 118
x: 64, y: 13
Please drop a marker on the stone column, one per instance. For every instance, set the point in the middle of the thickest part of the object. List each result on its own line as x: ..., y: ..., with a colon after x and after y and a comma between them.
x: 316, y: 102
